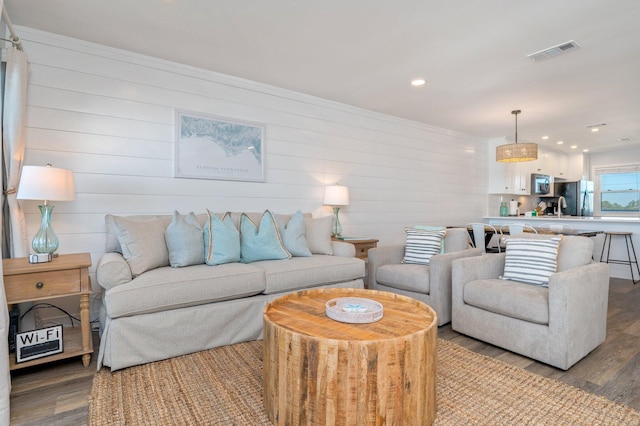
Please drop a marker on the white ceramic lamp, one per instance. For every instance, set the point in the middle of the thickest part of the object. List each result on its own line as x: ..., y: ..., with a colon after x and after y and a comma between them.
x: 336, y: 196
x: 47, y: 184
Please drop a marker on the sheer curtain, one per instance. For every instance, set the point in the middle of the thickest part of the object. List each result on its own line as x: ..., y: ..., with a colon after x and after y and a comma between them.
x: 14, y: 230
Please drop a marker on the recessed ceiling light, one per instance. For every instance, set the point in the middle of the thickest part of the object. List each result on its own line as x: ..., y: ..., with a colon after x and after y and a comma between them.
x: 585, y: 150
x: 418, y: 82
x: 595, y: 129
x: 560, y: 142
x: 545, y: 137
x: 574, y: 146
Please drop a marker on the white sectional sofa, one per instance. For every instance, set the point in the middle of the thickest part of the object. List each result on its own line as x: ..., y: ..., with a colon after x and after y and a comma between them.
x: 152, y: 311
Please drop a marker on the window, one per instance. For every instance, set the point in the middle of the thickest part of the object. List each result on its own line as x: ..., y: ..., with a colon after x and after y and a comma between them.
x: 618, y: 190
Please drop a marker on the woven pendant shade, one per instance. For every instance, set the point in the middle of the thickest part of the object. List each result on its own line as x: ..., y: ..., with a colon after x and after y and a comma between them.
x: 516, y: 152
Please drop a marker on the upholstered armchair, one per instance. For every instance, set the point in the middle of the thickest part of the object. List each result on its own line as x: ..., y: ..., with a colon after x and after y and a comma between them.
x: 556, y: 323
x: 430, y: 283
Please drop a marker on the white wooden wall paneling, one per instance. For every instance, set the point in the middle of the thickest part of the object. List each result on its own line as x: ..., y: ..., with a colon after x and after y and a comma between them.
x: 109, y: 116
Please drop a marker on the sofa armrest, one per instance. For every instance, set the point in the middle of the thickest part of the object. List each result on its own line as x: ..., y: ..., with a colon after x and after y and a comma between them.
x: 113, y: 270
x: 440, y: 278
x: 441, y: 264
x: 342, y: 249
x: 478, y: 268
x: 578, y: 300
x: 379, y: 256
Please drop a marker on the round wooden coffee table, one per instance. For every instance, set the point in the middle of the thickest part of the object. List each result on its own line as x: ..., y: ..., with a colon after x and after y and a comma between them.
x: 320, y: 371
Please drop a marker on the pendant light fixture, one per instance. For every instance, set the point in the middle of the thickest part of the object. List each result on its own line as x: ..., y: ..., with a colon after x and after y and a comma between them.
x: 516, y: 152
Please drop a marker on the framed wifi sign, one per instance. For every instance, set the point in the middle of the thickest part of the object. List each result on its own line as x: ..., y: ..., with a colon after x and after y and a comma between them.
x: 38, y: 343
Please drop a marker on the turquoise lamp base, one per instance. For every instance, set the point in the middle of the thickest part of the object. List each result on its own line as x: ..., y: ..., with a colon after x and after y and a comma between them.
x: 336, y: 231
x: 45, y: 241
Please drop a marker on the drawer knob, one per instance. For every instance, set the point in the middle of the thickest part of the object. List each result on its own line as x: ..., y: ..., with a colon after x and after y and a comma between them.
x: 39, y: 284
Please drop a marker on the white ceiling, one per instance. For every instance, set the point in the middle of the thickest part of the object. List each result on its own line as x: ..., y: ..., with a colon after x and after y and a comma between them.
x: 365, y: 52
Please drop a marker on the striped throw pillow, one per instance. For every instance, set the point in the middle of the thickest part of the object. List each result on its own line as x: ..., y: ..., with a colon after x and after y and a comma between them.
x: 421, y: 245
x: 531, y: 261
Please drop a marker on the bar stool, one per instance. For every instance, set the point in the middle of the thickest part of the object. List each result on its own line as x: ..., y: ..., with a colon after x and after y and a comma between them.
x: 627, y: 238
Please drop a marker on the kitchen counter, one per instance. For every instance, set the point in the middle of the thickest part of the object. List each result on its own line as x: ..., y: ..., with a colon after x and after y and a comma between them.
x: 600, y: 223
x: 581, y: 219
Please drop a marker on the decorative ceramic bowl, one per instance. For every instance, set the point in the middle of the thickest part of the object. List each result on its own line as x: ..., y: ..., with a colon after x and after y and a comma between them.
x: 355, y: 310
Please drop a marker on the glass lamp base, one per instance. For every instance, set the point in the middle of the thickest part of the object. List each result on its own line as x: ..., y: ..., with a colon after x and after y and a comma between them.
x: 45, y: 241
x: 336, y: 231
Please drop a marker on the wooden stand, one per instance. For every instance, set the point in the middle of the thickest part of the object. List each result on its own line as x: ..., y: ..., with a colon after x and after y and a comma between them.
x: 320, y: 371
x: 66, y: 275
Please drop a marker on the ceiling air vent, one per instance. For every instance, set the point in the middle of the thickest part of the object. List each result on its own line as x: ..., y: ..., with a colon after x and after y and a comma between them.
x: 550, y: 52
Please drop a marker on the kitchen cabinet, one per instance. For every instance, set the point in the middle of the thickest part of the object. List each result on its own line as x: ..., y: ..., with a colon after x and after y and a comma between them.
x: 509, y: 178
x: 515, y: 178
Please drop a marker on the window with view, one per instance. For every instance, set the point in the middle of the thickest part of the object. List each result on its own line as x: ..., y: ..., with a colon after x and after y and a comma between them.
x: 618, y: 190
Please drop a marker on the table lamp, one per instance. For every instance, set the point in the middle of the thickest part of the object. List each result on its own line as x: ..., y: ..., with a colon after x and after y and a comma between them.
x: 336, y: 196
x: 47, y: 184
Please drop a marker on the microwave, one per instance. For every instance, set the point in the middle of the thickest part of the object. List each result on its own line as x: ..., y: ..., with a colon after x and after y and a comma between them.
x: 541, y: 185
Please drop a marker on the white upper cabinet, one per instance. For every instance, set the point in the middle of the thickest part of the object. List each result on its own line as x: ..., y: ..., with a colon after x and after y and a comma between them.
x: 515, y: 178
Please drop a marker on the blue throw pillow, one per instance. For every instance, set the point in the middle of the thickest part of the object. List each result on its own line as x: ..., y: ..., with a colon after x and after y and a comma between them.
x: 261, y: 242
x: 221, y: 240
x: 184, y: 240
x: 293, y: 235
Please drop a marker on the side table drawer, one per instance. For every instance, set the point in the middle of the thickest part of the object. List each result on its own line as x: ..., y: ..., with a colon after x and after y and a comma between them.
x: 41, y: 284
x: 362, y: 249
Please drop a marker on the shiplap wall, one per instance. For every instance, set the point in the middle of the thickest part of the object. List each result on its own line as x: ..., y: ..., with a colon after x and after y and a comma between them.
x: 108, y: 115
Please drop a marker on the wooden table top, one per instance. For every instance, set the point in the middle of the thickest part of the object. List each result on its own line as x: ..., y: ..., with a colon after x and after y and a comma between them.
x: 304, y: 312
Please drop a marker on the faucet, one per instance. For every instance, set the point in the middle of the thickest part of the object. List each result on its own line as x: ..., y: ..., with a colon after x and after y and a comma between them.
x: 562, y: 204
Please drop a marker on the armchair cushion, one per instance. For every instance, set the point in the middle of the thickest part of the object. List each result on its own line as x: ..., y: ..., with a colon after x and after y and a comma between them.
x: 513, y: 299
x: 410, y: 277
x: 531, y: 261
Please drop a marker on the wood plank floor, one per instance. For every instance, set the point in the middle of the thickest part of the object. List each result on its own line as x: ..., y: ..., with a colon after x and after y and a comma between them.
x: 57, y: 394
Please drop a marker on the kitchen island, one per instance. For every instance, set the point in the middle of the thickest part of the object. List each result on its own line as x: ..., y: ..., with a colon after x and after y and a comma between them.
x: 603, y: 223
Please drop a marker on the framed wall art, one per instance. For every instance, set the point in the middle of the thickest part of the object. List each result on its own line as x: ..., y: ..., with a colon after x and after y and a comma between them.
x: 210, y: 147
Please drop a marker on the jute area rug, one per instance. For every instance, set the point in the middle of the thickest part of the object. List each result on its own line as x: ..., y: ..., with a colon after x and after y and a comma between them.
x: 223, y: 386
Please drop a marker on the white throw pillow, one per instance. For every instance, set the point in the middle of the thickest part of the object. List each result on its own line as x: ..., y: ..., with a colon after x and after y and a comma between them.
x: 422, y: 245
x: 142, y: 242
x: 318, y: 233
x: 531, y: 261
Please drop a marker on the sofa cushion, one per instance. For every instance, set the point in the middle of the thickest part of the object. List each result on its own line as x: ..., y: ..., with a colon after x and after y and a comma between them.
x: 303, y: 272
x: 170, y: 288
x: 531, y: 261
x: 142, y: 242
x: 292, y: 231
x: 421, y: 245
x: 409, y: 277
x: 221, y: 240
x: 261, y: 242
x: 318, y: 233
x: 513, y: 299
x: 184, y: 239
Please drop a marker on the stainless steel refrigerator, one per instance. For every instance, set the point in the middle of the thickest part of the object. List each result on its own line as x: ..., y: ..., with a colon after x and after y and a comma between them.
x: 579, y: 196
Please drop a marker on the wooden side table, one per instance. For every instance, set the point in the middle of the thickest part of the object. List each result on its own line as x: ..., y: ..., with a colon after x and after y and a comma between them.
x: 362, y: 252
x: 66, y: 275
x: 362, y: 246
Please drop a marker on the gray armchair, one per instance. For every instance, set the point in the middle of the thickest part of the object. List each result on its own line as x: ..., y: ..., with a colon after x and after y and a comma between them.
x: 431, y: 283
x: 557, y: 325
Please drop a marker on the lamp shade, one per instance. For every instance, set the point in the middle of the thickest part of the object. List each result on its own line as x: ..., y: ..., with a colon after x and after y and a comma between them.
x: 336, y: 195
x: 46, y: 183
x: 516, y: 152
